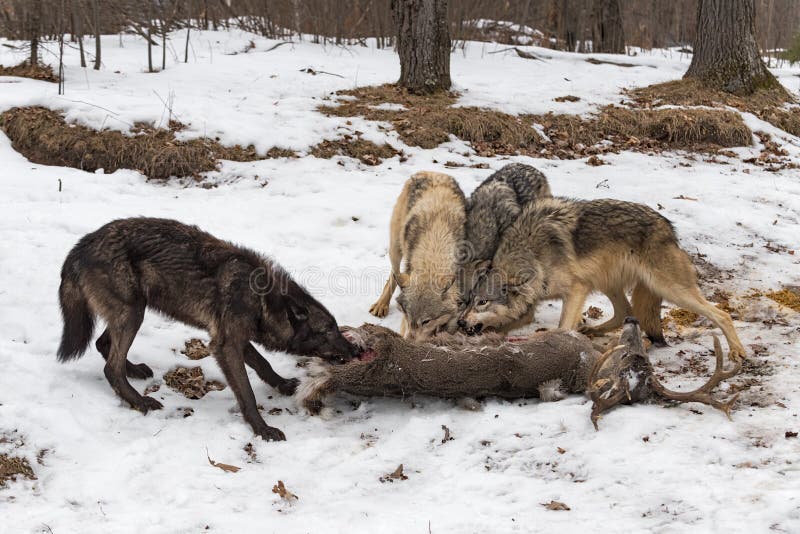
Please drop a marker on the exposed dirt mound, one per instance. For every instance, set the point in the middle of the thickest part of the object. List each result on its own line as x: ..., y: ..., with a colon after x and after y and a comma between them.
x: 12, y: 467
x: 26, y: 70
x: 43, y: 136
x: 772, y: 105
x: 427, y: 122
x: 190, y: 382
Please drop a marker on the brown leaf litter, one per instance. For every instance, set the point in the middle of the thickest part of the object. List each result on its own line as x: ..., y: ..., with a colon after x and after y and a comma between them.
x: 228, y: 468
x: 196, y: 349
x: 556, y: 506
x: 397, y: 474
x: 191, y: 383
x: 284, y: 493
x: 12, y: 467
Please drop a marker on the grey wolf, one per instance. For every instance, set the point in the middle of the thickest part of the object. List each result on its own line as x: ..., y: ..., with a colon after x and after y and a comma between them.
x: 564, y: 249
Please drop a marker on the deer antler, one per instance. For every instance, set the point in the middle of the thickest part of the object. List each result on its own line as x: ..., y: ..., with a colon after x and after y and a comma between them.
x: 605, y: 400
x: 703, y: 393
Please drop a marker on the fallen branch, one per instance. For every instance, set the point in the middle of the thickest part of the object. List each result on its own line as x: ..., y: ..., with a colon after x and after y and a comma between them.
x: 521, y: 53
x: 273, y: 47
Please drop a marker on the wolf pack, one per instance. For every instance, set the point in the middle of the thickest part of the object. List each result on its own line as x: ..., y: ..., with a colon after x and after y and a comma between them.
x: 464, y: 266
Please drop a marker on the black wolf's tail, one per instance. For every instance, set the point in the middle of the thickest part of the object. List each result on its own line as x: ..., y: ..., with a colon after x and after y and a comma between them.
x: 78, y: 320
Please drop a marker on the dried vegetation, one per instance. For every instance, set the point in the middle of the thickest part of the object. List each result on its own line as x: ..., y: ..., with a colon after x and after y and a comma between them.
x: 427, y: 122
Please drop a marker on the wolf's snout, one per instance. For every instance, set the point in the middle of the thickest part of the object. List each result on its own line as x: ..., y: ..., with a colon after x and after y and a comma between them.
x: 475, y: 329
x: 461, y: 323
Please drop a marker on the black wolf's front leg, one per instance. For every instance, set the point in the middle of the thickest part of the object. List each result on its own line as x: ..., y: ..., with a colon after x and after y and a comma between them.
x: 230, y: 355
x: 261, y: 366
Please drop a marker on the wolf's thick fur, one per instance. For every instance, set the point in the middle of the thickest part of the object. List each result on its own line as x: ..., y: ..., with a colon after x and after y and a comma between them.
x: 427, y: 228
x: 497, y: 202
x: 491, y: 208
x: 564, y: 248
x: 236, y: 295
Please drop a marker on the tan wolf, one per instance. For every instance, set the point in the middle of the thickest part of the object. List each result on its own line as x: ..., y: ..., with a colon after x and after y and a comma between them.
x: 564, y: 249
x: 427, y: 228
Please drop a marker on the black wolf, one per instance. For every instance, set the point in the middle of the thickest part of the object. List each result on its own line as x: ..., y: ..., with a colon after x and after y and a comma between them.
x: 235, y: 294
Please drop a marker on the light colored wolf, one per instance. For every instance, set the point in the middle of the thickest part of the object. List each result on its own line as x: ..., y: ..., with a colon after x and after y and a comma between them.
x: 426, y: 229
x: 565, y: 249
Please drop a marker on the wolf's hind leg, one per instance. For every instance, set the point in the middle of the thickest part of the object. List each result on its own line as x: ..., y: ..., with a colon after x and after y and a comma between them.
x: 647, y: 309
x: 122, y: 329
x: 675, y: 280
x: 132, y: 370
x: 264, y: 370
x: 622, y: 309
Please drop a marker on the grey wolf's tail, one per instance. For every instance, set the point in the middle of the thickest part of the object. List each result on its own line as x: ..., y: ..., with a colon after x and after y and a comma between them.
x: 78, y: 320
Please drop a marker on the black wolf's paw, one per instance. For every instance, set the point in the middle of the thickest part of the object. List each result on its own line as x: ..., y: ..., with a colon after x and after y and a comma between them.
x: 289, y: 386
x: 146, y: 404
x: 138, y: 370
x: 269, y: 433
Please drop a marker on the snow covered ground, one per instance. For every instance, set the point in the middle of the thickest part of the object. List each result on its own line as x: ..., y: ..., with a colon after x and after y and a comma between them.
x: 109, y: 469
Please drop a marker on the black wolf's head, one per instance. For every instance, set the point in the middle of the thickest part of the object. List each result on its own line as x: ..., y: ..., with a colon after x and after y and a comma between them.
x: 315, y: 332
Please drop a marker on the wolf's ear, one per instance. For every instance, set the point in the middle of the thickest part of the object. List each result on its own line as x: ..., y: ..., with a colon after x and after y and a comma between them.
x: 297, y: 311
x: 401, y: 279
x: 514, y: 285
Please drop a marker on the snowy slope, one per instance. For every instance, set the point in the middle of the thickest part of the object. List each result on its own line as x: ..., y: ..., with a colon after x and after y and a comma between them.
x: 109, y: 469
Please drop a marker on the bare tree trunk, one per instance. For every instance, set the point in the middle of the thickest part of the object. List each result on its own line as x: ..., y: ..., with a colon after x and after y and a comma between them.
x: 34, y: 30
x: 423, y: 43
x: 726, y: 55
x: 97, y: 48
x: 607, y: 33
x: 149, y: 40
x: 77, y: 30
x: 186, y: 50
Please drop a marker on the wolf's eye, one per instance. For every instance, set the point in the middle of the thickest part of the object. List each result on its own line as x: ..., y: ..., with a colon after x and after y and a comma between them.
x: 426, y: 321
x: 483, y: 302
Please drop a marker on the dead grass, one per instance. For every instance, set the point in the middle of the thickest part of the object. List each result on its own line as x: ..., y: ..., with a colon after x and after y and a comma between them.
x: 786, y: 297
x: 767, y: 104
x: 12, y: 467
x: 25, y: 70
x: 42, y: 136
x: 427, y: 122
x: 365, y: 151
